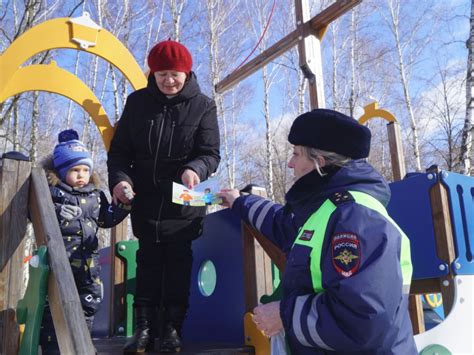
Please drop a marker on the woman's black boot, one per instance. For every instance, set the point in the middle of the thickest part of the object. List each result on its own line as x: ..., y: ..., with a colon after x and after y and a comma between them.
x: 143, y: 340
x: 171, y: 340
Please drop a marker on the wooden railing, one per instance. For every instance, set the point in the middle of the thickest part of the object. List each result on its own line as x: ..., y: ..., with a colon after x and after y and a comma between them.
x: 25, y: 191
x: 259, y: 253
x: 14, y: 187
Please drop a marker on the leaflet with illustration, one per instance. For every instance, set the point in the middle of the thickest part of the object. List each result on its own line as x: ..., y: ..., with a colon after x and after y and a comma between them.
x: 203, y: 194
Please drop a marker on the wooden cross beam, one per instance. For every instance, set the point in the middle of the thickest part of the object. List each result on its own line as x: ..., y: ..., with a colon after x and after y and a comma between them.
x: 307, y: 35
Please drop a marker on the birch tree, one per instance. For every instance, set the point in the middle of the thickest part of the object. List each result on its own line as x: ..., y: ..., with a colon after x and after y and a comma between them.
x: 443, y: 123
x: 176, y: 9
x: 219, y: 23
x: 70, y: 108
x: 34, y: 128
x: 261, y: 11
x: 394, y: 22
x: 466, y: 141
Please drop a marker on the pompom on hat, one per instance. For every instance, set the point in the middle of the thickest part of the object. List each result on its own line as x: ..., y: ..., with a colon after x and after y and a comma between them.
x: 170, y: 55
x: 331, y: 131
x: 70, y: 152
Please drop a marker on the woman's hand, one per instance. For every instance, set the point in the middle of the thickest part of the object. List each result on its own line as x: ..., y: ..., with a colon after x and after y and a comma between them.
x: 228, y: 196
x: 267, y: 318
x: 190, y: 179
x: 123, y: 192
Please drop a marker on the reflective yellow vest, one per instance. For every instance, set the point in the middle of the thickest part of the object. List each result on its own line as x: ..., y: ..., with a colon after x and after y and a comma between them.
x: 318, y: 222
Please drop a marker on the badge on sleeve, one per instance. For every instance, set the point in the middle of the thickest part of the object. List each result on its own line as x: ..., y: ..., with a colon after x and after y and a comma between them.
x: 346, y: 253
x: 306, y: 235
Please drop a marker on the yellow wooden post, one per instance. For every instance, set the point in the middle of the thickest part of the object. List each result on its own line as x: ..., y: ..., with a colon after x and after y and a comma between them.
x: 394, y: 138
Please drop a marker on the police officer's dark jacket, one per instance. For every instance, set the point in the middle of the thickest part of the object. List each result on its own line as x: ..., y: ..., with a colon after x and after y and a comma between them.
x: 362, y: 312
x: 157, y: 138
x: 96, y: 210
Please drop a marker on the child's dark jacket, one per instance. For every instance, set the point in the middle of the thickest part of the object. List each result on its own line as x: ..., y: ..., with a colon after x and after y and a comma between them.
x: 96, y: 210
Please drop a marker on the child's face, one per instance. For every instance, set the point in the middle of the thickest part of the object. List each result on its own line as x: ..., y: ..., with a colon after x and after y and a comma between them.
x: 78, y: 176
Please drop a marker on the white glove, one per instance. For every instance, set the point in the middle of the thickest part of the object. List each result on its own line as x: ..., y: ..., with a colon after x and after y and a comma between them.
x: 70, y: 212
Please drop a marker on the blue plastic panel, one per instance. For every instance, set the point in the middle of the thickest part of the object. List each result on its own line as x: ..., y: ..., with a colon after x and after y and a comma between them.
x: 461, y: 195
x: 410, y: 207
x: 218, y: 318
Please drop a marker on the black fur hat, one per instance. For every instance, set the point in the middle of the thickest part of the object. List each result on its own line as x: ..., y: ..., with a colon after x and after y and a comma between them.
x: 331, y: 131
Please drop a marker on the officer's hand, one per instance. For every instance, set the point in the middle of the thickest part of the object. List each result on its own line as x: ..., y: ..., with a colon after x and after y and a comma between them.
x: 70, y: 212
x: 228, y: 196
x: 267, y: 318
x: 123, y: 192
x: 190, y: 179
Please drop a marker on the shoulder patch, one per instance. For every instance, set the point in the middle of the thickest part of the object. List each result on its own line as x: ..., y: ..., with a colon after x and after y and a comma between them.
x: 306, y: 235
x: 346, y: 253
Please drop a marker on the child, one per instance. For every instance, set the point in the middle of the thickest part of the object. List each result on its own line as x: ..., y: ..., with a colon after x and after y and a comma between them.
x: 81, y: 209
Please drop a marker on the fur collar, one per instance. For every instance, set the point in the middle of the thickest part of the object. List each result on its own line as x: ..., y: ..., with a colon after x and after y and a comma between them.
x: 53, y: 177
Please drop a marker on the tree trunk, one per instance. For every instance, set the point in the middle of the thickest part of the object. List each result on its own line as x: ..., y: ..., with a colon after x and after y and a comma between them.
x: 466, y: 143
x: 34, y: 128
x: 268, y: 134
x: 353, y: 60
x: 404, y: 81
x: 176, y: 8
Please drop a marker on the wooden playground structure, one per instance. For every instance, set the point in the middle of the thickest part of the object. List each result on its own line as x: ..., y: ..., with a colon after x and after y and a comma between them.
x: 25, y: 192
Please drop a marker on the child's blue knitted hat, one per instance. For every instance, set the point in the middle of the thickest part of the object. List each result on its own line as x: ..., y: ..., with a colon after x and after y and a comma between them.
x: 70, y: 152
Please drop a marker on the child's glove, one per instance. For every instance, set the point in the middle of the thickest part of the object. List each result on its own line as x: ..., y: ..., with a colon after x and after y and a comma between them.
x: 70, y: 212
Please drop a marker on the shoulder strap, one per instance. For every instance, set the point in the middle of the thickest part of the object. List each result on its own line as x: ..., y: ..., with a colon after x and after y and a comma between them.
x: 341, y: 197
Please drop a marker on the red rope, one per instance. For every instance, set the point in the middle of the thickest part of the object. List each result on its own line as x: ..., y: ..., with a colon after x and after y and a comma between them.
x: 261, y: 37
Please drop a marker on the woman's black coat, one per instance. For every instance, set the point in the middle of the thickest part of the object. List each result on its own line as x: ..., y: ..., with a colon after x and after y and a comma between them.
x: 156, y: 139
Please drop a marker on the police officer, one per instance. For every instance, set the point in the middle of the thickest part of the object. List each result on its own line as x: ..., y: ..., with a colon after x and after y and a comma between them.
x: 348, y: 270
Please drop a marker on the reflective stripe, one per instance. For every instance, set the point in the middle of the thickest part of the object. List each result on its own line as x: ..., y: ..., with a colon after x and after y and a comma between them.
x: 263, y: 214
x: 253, y: 209
x: 300, y: 301
x: 312, y: 320
x: 317, y: 223
x: 405, y: 253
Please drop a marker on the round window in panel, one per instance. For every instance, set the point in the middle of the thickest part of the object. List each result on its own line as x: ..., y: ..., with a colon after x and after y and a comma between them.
x: 207, y: 278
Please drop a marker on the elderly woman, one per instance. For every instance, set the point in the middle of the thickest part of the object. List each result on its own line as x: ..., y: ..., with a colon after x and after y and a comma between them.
x: 168, y: 132
x: 348, y: 269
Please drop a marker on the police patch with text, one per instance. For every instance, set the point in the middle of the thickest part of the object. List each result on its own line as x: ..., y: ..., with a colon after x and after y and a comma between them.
x: 346, y: 253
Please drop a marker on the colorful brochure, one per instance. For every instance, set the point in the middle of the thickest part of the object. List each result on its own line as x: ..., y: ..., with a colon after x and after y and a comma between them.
x: 203, y: 194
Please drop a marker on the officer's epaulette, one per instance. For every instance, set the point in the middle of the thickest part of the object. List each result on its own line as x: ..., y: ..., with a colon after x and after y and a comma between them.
x: 341, y: 197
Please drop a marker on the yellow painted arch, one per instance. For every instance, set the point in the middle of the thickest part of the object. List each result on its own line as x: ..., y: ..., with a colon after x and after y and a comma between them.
x: 53, y: 79
x: 372, y: 111
x: 434, y: 299
x: 57, y: 33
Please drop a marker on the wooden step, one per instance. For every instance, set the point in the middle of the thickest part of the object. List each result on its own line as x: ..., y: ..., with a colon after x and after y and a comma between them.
x: 113, y: 346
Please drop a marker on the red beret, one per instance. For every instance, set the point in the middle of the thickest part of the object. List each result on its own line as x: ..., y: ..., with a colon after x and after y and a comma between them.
x: 170, y: 55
